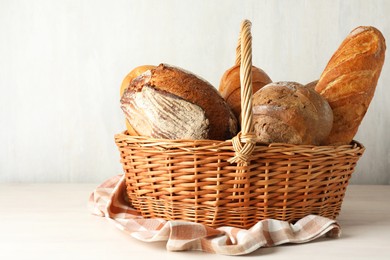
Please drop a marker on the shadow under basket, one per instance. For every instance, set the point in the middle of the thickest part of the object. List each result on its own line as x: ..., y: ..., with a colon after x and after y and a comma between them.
x: 193, y: 180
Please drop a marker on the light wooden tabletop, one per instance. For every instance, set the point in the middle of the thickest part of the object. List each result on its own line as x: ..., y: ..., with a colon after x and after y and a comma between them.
x: 51, y: 221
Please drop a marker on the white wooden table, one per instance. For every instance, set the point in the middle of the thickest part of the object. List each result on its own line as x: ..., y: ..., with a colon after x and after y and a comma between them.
x: 51, y: 221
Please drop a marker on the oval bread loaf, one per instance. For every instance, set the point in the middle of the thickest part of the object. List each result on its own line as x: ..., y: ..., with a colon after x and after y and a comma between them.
x: 170, y: 103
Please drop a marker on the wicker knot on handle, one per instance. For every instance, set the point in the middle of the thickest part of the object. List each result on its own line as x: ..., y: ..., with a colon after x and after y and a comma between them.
x: 242, y: 152
x: 244, y: 142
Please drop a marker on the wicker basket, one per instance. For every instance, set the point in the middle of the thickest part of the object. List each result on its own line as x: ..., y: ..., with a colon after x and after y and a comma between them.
x: 235, y: 182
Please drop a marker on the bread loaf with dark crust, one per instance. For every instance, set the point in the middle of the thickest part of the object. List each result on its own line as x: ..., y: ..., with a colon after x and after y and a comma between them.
x: 288, y: 112
x: 349, y: 80
x: 230, y: 85
x: 170, y: 103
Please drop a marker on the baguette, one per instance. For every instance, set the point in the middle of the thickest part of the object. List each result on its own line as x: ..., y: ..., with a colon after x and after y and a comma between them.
x: 349, y: 80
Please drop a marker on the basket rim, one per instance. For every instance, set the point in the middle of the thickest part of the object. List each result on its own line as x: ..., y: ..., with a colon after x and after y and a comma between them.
x: 197, y: 145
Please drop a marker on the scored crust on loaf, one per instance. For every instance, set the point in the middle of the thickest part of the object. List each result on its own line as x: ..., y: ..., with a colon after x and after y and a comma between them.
x: 169, y: 102
x: 161, y: 115
x: 355, y: 60
x: 349, y: 80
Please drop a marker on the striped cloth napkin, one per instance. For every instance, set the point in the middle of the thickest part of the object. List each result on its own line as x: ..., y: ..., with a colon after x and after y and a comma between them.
x: 108, y: 201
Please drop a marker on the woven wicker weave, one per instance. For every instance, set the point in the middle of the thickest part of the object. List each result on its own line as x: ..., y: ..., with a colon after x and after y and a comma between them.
x: 235, y: 182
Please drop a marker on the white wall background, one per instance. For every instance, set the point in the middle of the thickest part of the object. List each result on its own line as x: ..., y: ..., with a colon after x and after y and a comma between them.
x: 62, y: 62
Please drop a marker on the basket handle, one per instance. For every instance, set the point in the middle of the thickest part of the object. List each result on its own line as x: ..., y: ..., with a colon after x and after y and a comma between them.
x: 244, y: 142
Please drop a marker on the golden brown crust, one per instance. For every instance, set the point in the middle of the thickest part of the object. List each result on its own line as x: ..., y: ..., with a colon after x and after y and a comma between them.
x: 229, y: 86
x: 349, y: 80
x: 288, y: 112
x: 189, y: 87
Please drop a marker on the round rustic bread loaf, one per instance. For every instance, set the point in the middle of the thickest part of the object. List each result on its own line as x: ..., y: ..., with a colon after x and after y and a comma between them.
x: 229, y: 86
x: 170, y: 103
x: 288, y: 112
